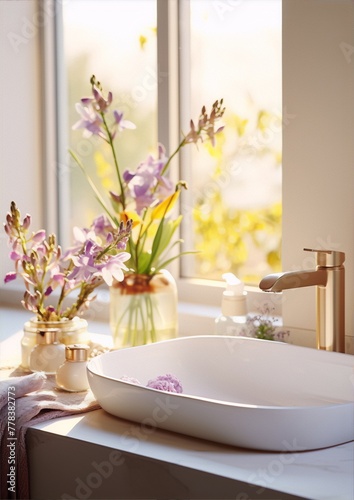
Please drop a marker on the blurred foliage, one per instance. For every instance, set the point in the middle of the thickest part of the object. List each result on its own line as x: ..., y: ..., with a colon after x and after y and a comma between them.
x: 227, y: 237
x: 224, y: 238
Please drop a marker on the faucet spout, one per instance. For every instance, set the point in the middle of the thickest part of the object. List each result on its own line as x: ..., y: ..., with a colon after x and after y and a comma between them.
x: 293, y: 279
x: 328, y: 278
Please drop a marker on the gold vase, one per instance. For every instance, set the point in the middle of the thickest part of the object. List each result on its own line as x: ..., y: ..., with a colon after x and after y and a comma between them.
x: 143, y: 309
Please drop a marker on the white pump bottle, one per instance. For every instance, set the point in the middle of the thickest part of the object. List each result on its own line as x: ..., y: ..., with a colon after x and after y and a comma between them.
x: 232, y: 320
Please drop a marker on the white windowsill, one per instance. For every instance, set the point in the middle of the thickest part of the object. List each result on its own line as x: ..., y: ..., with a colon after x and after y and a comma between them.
x: 194, y: 318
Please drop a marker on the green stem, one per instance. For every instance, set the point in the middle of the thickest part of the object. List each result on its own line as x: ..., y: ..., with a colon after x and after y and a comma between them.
x: 129, y: 310
x: 110, y: 142
x: 140, y: 326
x: 180, y: 146
x: 94, y: 189
x: 150, y: 315
x: 85, y: 290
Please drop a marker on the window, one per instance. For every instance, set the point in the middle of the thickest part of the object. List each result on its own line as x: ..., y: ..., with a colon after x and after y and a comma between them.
x: 115, y: 41
x: 235, y: 196
x: 232, y: 211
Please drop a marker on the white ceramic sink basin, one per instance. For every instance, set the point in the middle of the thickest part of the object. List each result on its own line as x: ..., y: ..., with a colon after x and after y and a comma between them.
x: 238, y: 391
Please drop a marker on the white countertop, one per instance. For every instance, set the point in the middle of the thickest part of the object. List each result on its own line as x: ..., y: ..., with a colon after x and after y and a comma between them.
x: 320, y: 475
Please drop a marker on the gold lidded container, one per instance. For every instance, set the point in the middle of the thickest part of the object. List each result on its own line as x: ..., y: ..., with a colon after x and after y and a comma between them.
x: 72, y: 375
x: 76, y: 352
x: 48, y: 354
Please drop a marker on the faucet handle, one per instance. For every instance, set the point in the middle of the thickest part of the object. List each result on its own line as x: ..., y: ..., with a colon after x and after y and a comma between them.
x: 328, y: 258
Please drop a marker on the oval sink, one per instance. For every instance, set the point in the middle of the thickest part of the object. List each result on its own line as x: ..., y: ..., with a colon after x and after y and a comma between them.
x: 238, y: 391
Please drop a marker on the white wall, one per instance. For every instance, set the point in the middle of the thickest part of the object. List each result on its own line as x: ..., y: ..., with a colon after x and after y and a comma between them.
x: 318, y: 97
x: 20, y: 117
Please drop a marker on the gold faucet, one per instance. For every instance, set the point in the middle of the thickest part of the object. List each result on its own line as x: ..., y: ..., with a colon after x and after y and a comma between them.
x: 329, y: 278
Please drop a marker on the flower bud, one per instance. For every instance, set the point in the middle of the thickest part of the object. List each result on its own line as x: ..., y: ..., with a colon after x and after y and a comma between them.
x: 26, y: 222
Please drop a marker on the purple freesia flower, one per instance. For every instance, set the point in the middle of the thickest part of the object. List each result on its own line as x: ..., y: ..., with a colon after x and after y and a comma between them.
x: 84, y: 263
x: 113, y: 268
x: 120, y: 123
x: 81, y: 237
x: 94, y: 258
x: 93, y: 261
x: 92, y: 111
x: 91, y: 121
x: 103, y: 228
x: 101, y: 103
x: 166, y: 382
x: 100, y: 224
x: 146, y: 184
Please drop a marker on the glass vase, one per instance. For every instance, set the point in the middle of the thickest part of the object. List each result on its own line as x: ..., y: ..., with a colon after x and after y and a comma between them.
x: 71, y: 331
x: 143, y: 309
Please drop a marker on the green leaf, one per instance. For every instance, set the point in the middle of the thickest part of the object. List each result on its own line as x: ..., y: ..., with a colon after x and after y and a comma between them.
x: 155, y: 245
x: 168, y: 261
x: 167, y: 231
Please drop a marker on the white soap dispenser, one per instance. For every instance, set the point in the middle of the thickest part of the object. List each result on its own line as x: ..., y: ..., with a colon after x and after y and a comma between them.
x: 232, y: 320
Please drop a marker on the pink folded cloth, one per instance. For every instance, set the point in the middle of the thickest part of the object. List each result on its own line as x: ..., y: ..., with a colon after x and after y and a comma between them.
x: 26, y: 400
